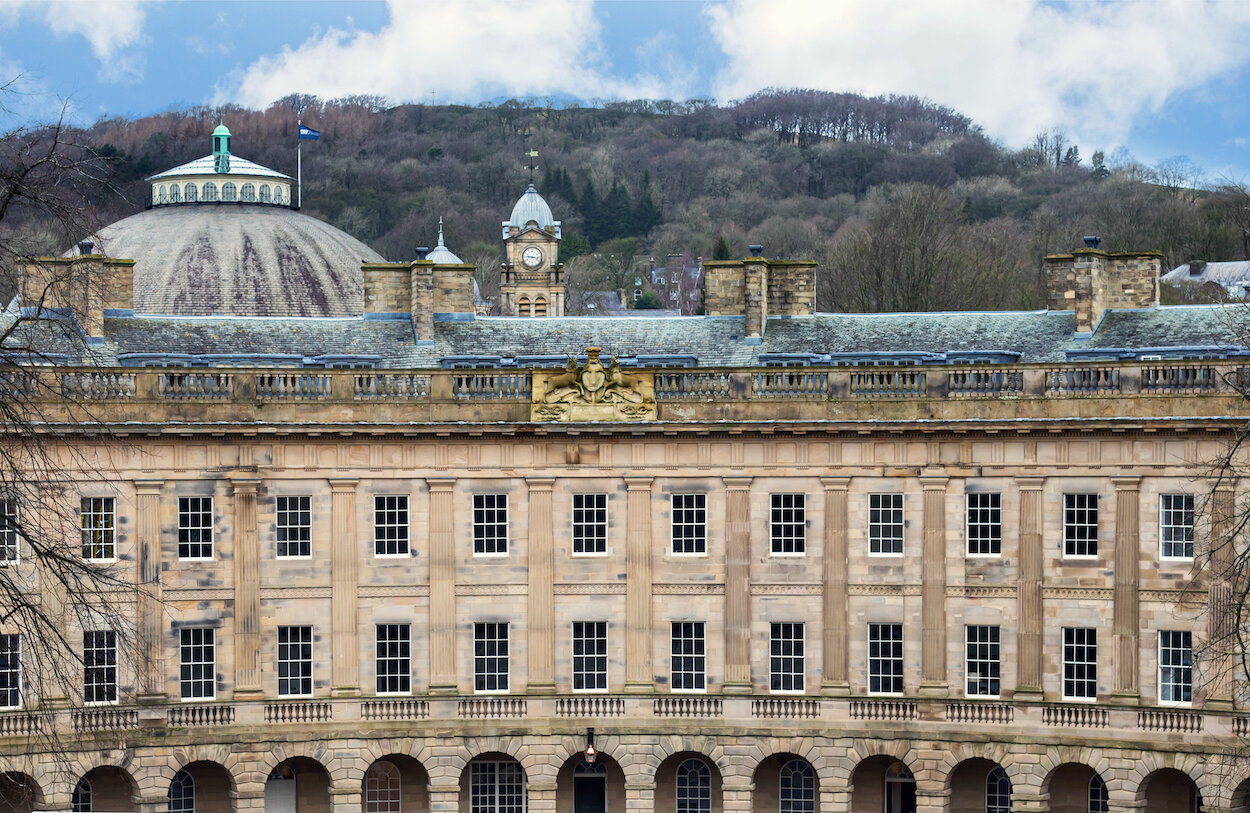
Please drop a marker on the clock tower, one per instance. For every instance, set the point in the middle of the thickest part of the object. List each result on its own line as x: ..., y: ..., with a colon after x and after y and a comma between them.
x: 533, y: 280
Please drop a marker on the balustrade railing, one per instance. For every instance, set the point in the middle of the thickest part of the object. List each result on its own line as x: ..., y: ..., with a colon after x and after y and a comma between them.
x: 785, y: 707
x: 979, y: 713
x: 1185, y: 722
x: 590, y: 706
x: 22, y: 724
x: 299, y: 712
x: 793, y: 383
x: 882, y: 383
x: 1186, y: 378
x: 985, y: 383
x: 88, y: 384
x: 397, y: 709
x: 293, y: 387
x: 105, y: 719
x: 194, y: 714
x: 1076, y: 716
x: 491, y: 386
x: 195, y: 386
x: 1084, y: 380
x: 491, y: 707
x: 391, y: 386
x: 691, y: 385
x: 883, y: 710
x: 678, y: 706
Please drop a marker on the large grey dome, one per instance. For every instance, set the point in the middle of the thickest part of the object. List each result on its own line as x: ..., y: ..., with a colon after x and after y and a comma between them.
x: 198, y: 260
x: 532, y: 209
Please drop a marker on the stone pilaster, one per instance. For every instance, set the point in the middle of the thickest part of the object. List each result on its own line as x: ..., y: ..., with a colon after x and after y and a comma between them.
x: 737, y: 793
x: 541, y: 796
x: 638, y: 674
x: 442, y: 587
x: 1125, y: 616
x: 1029, y: 590
x: 540, y: 625
x: 344, y: 575
x: 933, y: 587
x: 1218, y: 551
x: 346, y: 799
x: 737, y: 585
x: 151, y: 644
x: 246, y: 590
x: 445, y: 798
x: 836, y: 638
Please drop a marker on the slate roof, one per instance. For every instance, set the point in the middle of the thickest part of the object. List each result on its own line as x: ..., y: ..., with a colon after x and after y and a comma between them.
x: 1220, y: 272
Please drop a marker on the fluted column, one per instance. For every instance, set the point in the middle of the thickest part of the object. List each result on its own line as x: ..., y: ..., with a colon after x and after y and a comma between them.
x: 246, y: 590
x: 151, y: 650
x: 344, y: 575
x: 933, y: 587
x: 737, y: 585
x: 836, y: 639
x: 442, y: 588
x: 1221, y: 615
x: 541, y: 623
x: 638, y: 674
x: 1125, y: 612
x: 1029, y: 590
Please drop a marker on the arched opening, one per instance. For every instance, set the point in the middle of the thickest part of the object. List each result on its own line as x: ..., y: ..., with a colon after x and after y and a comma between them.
x: 883, y: 784
x: 279, y: 195
x: 298, y: 785
x: 1170, y: 791
x: 174, y: 195
x: 598, y: 788
x: 247, y: 193
x: 19, y: 793
x: 106, y: 788
x: 1241, y: 798
x: 523, y: 306
x: 396, y: 783
x: 1076, y: 788
x: 210, y: 192
x: 228, y: 191
x: 492, y: 783
x: 540, y: 306
x: 786, y: 783
x: 688, y: 782
x: 264, y: 193
x: 191, y: 192
x: 163, y: 193
x: 201, y: 787
x: 980, y: 786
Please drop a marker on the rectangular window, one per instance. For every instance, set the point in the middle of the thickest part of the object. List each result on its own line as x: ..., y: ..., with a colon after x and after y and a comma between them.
x: 1080, y: 663
x: 99, y: 659
x: 99, y: 528
x: 788, y: 524
x: 390, y: 525
x: 689, y: 523
x: 785, y: 647
x: 590, y: 523
x: 590, y: 656
x: 294, y: 527
x: 689, y: 657
x: 195, y: 527
x: 10, y: 671
x: 1176, y: 666
x: 394, y: 658
x: 885, y: 524
x: 490, y: 524
x: 490, y: 657
x: 496, y: 787
x: 1176, y: 526
x: 985, y: 523
x: 198, y: 672
x: 982, y: 663
x: 295, y: 661
x: 9, y: 551
x: 885, y: 658
x: 1080, y: 524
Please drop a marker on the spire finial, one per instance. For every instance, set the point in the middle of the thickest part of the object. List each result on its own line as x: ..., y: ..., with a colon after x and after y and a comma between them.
x: 440, y: 232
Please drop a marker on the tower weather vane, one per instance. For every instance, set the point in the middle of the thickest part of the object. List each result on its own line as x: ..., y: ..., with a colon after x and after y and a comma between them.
x: 532, y: 154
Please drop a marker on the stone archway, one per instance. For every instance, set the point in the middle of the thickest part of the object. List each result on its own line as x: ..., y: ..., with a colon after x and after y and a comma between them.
x: 395, y: 783
x: 298, y: 785
x: 786, y: 783
x: 1168, y: 790
x: 201, y: 787
x: 107, y: 787
x: 1076, y: 788
x: 493, y: 781
x: 19, y: 793
x: 979, y: 785
x: 598, y: 788
x: 688, y: 782
x: 883, y: 783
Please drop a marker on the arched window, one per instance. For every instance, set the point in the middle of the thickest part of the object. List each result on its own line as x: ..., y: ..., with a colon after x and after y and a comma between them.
x: 382, y: 792
x: 163, y: 194
x: 277, y: 194
x: 694, y: 787
x: 173, y: 193
x: 192, y: 193
x: 523, y: 306
x: 1098, y: 801
x: 182, y: 793
x: 540, y: 306
x: 228, y: 191
x: 81, y: 800
x: 997, y: 791
x: 247, y: 193
x: 264, y: 193
x: 210, y: 191
x: 797, y: 785
x: 497, y: 787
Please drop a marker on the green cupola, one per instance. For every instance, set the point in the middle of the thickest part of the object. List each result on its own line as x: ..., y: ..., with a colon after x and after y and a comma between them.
x: 221, y: 148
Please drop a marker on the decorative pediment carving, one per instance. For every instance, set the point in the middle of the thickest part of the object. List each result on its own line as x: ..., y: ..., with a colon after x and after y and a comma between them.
x: 593, y: 392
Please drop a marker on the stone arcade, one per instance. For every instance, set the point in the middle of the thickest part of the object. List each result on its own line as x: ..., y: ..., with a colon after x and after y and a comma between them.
x: 393, y: 556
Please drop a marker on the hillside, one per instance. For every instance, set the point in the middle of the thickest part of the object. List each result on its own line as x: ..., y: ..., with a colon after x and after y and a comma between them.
x: 906, y: 204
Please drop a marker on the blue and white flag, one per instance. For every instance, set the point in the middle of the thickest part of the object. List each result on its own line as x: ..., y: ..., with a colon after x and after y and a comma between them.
x: 308, y: 132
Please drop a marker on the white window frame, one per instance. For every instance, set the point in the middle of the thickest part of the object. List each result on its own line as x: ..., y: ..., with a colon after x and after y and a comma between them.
x: 383, y: 788
x: 506, y: 782
x: 10, y: 539
x: 787, y: 524
x: 98, y: 519
x: 290, y: 654
x: 188, y: 650
x: 1185, y: 667
x: 1071, y: 665
x: 878, y: 661
x: 592, y: 526
x: 783, y: 636
x: 492, y: 661
x: 796, y: 786
x: 490, y: 517
x: 391, y: 520
x: 593, y: 674
x: 296, y: 507
x: 688, y: 523
x: 987, y: 652
x: 879, y: 505
x: 1071, y: 509
x: 99, y: 676
x: 984, y: 520
x: 392, y: 660
x: 11, y: 648
x: 688, y: 647
x: 693, y: 786
x: 188, y: 510
x: 1169, y: 512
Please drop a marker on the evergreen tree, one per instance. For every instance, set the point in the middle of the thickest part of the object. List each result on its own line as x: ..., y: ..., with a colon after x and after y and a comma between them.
x: 646, y: 214
x: 618, y: 216
x: 592, y: 213
x: 573, y: 245
x: 721, y: 250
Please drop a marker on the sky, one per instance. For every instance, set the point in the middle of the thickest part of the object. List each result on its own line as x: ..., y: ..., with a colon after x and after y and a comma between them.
x: 1158, y: 78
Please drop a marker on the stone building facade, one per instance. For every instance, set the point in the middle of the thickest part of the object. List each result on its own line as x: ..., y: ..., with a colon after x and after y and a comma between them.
x: 776, y: 560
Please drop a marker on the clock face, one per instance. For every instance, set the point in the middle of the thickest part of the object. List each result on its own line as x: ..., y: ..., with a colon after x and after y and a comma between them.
x: 532, y: 256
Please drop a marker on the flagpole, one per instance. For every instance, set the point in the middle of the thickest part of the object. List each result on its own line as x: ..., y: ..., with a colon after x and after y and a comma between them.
x: 299, y: 165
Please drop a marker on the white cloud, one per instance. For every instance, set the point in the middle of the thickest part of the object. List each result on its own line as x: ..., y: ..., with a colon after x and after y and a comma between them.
x: 463, y: 49
x: 113, y: 30
x: 1014, y: 67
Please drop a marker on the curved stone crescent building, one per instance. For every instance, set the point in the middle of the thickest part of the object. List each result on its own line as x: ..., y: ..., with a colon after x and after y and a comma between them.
x: 393, y: 556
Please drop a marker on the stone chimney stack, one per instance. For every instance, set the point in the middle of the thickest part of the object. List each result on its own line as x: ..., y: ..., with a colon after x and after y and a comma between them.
x: 87, y: 286
x: 757, y: 289
x: 422, y: 290
x: 1091, y: 282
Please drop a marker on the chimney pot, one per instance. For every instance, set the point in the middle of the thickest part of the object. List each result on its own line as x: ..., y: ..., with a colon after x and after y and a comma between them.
x: 756, y: 250
x: 1092, y: 241
x: 86, y: 247
x: 422, y: 252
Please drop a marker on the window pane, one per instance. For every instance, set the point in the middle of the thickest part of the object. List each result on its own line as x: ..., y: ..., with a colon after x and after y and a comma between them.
x: 99, y: 525
x: 689, y: 656
x: 195, y: 527
x: 982, y: 661
x: 490, y: 657
x: 1176, y: 526
x: 490, y: 523
x: 788, y: 523
x: 1080, y: 524
x: 390, y: 525
x: 1080, y: 663
x: 985, y: 524
x: 393, y: 663
x: 689, y: 523
x: 590, y: 523
x: 294, y: 526
x: 590, y: 655
x: 294, y: 661
x: 885, y: 658
x: 1176, y: 666
x: 885, y: 524
x: 198, y: 670
x: 10, y: 671
x: 99, y: 657
x: 786, y: 666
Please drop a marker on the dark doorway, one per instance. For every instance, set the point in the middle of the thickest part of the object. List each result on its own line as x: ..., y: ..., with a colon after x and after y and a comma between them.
x: 590, y: 789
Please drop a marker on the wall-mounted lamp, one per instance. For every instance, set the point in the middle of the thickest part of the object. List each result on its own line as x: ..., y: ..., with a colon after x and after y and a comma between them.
x: 591, y: 753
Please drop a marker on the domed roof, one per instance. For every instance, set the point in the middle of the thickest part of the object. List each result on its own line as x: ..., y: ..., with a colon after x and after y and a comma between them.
x: 239, y: 261
x: 441, y: 254
x: 532, y: 208
x: 221, y: 130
